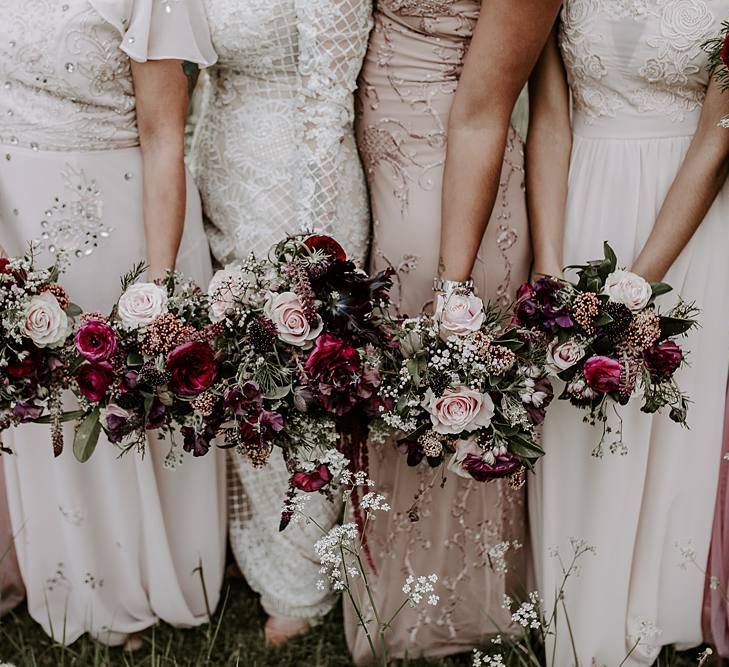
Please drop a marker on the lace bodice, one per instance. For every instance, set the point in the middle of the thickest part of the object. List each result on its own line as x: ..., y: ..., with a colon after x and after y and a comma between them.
x: 274, y: 149
x: 639, y: 60
x: 65, y: 72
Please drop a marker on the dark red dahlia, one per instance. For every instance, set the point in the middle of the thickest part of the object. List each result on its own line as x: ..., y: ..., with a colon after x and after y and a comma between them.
x: 328, y: 245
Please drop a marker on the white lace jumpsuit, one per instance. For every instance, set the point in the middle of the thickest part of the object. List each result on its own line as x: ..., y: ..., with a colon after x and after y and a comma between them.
x: 274, y: 154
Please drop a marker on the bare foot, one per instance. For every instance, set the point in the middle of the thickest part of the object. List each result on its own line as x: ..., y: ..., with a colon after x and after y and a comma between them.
x: 133, y: 643
x: 279, y: 629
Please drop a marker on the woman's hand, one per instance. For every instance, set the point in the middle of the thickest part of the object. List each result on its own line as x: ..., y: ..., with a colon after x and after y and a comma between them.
x: 702, y: 175
x: 162, y: 103
x: 506, y: 43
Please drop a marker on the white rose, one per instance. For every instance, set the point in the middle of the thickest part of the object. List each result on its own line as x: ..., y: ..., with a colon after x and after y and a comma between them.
x: 141, y: 304
x: 564, y: 356
x: 45, y: 322
x: 226, y: 288
x: 287, y: 313
x: 628, y: 288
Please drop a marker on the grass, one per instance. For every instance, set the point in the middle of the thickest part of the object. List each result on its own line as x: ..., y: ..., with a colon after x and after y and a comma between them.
x: 234, y: 639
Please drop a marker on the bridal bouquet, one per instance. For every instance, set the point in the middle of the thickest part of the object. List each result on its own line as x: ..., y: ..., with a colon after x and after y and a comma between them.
x: 36, y: 323
x: 148, y: 366
x: 302, y: 336
x: 468, y: 391
x: 607, y: 339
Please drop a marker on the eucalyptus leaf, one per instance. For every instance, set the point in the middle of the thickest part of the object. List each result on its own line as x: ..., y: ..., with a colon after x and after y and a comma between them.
x: 277, y: 393
x: 87, y: 436
x: 73, y: 310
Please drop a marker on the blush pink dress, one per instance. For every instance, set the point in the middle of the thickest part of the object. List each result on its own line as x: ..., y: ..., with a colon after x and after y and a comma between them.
x: 111, y: 546
x: 11, y: 583
x: 406, y: 90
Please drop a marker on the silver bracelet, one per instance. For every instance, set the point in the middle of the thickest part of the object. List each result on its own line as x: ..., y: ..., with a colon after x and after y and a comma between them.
x: 448, y: 286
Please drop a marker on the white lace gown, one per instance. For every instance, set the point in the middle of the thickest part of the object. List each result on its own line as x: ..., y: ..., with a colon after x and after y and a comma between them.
x: 111, y: 546
x: 274, y: 154
x: 638, y: 78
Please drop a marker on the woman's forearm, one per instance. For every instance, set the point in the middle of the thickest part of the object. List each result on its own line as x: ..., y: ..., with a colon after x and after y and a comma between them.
x: 507, y: 41
x: 164, y: 203
x: 162, y: 102
x: 702, y: 175
x: 548, y: 152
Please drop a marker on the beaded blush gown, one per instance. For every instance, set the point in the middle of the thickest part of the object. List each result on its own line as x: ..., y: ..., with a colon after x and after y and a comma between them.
x: 111, y: 546
x: 274, y: 154
x: 638, y: 77
x: 406, y: 90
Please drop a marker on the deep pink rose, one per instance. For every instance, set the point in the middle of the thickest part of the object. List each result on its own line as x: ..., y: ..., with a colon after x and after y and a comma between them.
x: 192, y: 368
x: 94, y: 380
x: 603, y: 374
x: 663, y: 358
x: 96, y: 341
x: 312, y: 481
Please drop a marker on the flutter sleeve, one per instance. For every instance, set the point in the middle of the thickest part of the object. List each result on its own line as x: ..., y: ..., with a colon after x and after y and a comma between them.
x: 333, y: 37
x: 161, y: 29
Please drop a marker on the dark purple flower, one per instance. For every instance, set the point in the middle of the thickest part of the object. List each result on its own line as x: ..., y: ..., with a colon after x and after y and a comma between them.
x: 664, y: 358
x: 156, y: 416
x: 27, y: 412
x: 541, y: 398
x: 192, y: 368
x: 245, y: 400
x: 195, y: 442
x: 94, y: 380
x: 503, y: 466
x: 96, y: 341
x: 526, y: 305
x: 261, y: 429
x: 312, y: 481
x: 116, y: 420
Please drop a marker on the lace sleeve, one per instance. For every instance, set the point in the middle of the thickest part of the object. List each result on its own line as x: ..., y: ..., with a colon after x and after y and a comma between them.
x: 333, y: 37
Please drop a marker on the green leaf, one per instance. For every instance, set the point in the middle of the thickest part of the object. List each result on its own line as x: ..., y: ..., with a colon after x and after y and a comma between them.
x: 87, y: 436
x: 135, y: 359
x: 659, y: 289
x: 603, y: 320
x: 674, y: 326
x: 525, y: 447
x: 65, y: 417
x: 277, y: 393
x: 73, y: 310
x: 610, y: 257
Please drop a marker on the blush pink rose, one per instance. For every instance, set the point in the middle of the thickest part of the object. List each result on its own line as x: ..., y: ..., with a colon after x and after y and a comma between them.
x: 287, y: 313
x: 459, y: 409
x: 628, y: 288
x: 459, y: 314
x: 562, y: 356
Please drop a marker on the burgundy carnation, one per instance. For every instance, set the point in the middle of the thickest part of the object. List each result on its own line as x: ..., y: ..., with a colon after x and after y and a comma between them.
x: 333, y: 366
x: 664, y: 358
x: 96, y: 341
x: 192, y: 367
x: 27, y: 367
x: 312, y: 481
x: 503, y: 466
x: 94, y: 380
x: 603, y: 374
x: 327, y: 245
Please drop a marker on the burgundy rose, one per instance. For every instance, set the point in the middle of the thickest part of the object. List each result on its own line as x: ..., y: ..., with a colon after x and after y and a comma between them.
x: 94, y: 380
x: 504, y: 465
x: 312, y: 481
x: 96, y: 341
x: 27, y: 412
x: 327, y: 245
x: 603, y: 374
x: 336, y: 374
x: 192, y: 368
x: 28, y: 366
x: 664, y: 358
x: 4, y: 261
x: 725, y: 51
x: 526, y: 305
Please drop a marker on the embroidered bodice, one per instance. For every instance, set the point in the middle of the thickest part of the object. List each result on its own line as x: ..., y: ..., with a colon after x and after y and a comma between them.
x: 65, y: 75
x: 274, y: 149
x: 639, y: 59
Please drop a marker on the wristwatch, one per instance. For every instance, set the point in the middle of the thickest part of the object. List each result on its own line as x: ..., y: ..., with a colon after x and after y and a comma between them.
x: 448, y: 286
